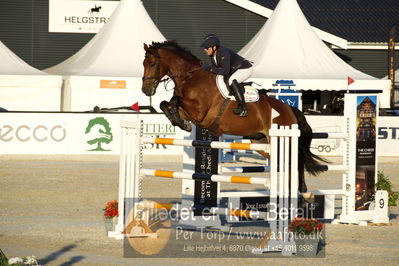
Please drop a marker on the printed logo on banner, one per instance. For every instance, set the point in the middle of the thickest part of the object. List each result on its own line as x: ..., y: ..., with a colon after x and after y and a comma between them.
x: 95, y: 10
x: 158, y: 130
x: 101, y: 133
x: 32, y: 133
x: 79, y: 16
x: 291, y: 100
x: 113, y: 84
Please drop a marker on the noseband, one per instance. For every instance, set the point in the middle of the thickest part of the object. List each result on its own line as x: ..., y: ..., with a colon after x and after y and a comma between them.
x: 158, y: 78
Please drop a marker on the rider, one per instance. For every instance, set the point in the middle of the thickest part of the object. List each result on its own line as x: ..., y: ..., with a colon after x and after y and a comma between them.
x: 228, y: 63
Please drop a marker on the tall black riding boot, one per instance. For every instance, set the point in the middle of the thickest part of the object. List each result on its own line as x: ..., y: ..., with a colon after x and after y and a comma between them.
x: 239, y: 95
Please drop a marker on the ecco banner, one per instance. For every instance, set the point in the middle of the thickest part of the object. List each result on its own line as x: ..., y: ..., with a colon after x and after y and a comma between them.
x: 79, y: 16
x: 79, y: 133
x: 54, y: 133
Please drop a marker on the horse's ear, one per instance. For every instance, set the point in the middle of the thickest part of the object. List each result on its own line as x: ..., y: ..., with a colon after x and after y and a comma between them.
x: 146, y: 48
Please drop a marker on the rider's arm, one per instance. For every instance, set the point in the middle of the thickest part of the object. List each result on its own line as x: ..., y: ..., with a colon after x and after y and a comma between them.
x: 205, y: 66
x: 223, y: 65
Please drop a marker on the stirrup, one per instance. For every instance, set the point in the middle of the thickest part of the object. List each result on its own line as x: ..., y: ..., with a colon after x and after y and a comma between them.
x: 242, y: 111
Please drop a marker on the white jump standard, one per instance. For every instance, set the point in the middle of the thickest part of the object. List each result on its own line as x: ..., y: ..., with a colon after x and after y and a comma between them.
x: 279, y: 184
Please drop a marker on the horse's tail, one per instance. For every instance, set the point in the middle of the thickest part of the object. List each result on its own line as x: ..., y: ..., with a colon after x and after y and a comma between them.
x: 305, y: 155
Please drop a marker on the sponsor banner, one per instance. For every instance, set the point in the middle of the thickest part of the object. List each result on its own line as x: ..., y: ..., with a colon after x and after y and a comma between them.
x: 387, y: 135
x: 69, y: 133
x: 333, y: 147
x: 366, y: 124
x: 79, y: 16
x: 292, y: 99
x: 113, y: 84
x: 206, y: 191
x: 391, y: 64
x: 78, y: 133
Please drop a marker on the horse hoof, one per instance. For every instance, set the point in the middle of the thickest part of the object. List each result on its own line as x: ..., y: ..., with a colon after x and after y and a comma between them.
x: 187, y: 126
x: 308, y: 196
x: 163, y: 105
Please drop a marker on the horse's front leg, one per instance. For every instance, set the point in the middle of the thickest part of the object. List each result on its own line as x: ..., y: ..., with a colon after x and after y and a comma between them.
x: 171, y: 111
x: 166, y: 108
x: 179, y: 115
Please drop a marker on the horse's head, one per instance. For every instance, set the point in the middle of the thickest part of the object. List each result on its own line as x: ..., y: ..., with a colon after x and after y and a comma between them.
x: 153, y: 71
x: 166, y: 58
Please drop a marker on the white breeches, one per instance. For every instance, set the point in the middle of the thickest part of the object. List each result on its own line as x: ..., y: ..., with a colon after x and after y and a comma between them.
x: 241, y: 75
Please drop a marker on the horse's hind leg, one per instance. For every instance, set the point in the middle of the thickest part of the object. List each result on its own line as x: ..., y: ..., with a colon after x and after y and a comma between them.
x: 302, y: 188
x: 306, y: 196
x: 261, y: 139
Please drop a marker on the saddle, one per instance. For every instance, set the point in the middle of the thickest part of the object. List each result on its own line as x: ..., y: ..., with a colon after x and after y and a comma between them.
x: 251, y: 93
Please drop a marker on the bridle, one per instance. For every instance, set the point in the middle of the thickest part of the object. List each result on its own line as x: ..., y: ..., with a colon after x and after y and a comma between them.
x: 169, y: 76
x: 156, y: 64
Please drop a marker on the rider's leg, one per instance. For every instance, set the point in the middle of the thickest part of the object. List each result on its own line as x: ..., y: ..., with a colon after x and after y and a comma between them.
x: 237, y: 77
x: 239, y: 95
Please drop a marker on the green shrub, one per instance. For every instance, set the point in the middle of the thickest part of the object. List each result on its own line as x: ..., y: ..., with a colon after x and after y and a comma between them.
x: 3, y: 259
x: 385, y: 184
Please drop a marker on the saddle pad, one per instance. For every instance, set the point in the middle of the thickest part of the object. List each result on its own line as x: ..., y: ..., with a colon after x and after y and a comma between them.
x: 251, y: 94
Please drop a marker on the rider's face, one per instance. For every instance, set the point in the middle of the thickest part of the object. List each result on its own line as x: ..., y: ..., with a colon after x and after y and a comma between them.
x: 208, y: 51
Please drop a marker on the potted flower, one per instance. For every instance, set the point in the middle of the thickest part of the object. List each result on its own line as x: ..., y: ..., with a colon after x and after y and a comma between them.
x: 307, y: 234
x: 110, y: 215
x: 17, y: 261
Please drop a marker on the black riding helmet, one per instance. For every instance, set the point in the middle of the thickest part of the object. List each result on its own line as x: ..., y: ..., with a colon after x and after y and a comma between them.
x: 210, y: 41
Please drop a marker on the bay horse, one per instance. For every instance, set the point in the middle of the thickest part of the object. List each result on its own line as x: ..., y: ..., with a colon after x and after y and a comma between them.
x: 197, y: 99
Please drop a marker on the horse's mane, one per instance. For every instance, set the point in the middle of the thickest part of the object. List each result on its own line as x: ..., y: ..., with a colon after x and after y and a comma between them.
x: 172, y: 45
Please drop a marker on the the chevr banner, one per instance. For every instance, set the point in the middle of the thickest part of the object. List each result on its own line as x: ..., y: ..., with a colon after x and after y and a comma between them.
x: 79, y: 16
x: 366, y: 137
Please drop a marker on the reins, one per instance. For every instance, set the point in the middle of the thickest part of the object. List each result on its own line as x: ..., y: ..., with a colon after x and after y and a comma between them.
x: 168, y: 77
